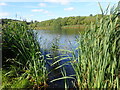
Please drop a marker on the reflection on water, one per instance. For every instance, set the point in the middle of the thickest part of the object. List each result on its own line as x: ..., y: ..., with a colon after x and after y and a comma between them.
x: 64, y: 38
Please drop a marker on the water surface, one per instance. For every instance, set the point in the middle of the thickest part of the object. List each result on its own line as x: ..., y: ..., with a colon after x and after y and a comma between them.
x: 63, y: 39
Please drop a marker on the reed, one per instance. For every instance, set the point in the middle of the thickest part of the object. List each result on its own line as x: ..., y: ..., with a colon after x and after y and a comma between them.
x: 98, y: 61
x: 22, y: 51
x: 0, y: 78
x: 96, y: 65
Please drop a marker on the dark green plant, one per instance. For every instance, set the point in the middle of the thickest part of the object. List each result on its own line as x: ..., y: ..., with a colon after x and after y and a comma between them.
x: 22, y: 51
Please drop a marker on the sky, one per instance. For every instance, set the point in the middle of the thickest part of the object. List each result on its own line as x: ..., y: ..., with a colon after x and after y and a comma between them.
x: 49, y: 9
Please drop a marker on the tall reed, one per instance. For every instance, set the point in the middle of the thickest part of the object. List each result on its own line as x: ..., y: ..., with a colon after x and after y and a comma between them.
x: 98, y: 61
x: 21, y: 49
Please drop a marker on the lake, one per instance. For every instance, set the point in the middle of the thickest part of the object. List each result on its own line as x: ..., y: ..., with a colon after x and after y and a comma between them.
x: 63, y: 39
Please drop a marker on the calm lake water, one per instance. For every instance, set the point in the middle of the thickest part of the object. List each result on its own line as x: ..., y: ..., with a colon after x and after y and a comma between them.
x: 64, y: 39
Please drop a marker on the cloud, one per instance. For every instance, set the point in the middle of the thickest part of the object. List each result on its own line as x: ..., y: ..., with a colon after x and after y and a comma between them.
x: 37, y: 10
x: 63, y: 2
x: 4, y: 14
x: 3, y: 4
x: 69, y: 9
x: 45, y: 11
x: 42, y: 5
x: 40, y: 10
x: 50, y: 14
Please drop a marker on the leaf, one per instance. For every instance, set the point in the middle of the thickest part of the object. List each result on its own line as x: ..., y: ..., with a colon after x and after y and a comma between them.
x: 60, y: 60
x: 101, y: 8
x: 66, y: 77
x: 65, y: 50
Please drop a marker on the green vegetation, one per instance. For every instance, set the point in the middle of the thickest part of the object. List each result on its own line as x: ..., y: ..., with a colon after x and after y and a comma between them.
x: 97, y: 64
x: 22, y: 59
x: 98, y: 61
x: 73, y: 22
x: 59, y: 23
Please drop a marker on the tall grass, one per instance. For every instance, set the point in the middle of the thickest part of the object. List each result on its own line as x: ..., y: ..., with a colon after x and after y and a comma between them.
x: 98, y: 61
x: 0, y: 78
x: 21, y: 54
x: 97, y: 64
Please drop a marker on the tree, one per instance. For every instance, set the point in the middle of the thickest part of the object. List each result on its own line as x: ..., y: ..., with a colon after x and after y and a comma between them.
x: 56, y: 24
x: 90, y: 15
